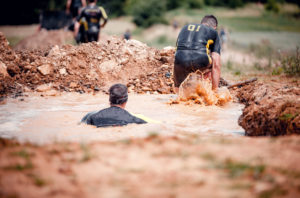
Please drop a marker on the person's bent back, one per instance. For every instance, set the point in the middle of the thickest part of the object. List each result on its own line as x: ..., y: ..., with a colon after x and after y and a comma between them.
x: 115, y: 115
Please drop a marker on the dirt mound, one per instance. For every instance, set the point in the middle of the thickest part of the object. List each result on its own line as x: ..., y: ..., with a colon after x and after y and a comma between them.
x: 44, y: 40
x: 89, y: 67
x: 7, y: 57
x: 271, y: 109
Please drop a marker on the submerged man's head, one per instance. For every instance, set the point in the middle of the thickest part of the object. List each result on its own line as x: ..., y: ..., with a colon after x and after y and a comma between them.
x: 118, y: 95
x: 210, y: 20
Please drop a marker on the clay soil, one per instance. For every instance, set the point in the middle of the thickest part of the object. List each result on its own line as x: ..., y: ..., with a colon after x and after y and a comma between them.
x: 192, y: 166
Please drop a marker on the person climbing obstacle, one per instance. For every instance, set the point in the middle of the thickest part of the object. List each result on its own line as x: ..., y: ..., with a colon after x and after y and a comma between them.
x: 198, y: 48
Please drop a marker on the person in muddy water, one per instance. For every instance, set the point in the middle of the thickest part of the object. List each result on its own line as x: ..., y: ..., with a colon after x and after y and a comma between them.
x: 198, y: 48
x: 87, y: 26
x: 115, y: 115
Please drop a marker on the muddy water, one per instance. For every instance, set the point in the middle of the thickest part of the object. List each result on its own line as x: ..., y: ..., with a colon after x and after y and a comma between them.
x: 54, y: 119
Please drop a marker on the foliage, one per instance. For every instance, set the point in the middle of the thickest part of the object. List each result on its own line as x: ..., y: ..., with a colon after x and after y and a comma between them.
x: 113, y: 8
x: 272, y: 5
x: 291, y: 64
x: 195, y: 4
x: 147, y: 13
x: 226, y: 3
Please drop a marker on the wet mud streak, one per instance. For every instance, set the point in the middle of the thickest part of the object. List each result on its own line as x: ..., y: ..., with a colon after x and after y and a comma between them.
x: 198, y: 90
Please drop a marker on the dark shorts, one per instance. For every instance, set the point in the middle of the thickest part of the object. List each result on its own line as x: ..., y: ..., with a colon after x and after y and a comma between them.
x: 74, y: 11
x: 188, y: 61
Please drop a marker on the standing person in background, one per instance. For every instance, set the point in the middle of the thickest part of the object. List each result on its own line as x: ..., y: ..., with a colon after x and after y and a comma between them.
x: 223, y: 36
x: 88, y: 24
x: 73, y: 7
x: 127, y: 35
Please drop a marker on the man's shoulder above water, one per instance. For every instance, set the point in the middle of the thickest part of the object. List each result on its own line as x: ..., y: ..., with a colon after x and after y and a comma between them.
x: 112, y: 116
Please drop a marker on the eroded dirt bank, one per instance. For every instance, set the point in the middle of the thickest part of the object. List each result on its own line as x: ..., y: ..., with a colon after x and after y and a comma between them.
x: 192, y: 166
x: 271, y: 109
x: 85, y: 68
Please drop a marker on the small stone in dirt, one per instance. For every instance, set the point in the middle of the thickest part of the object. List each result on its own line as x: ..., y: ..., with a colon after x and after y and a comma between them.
x: 96, y: 89
x: 51, y: 93
x: 43, y: 88
x: 63, y: 71
x: 45, y: 69
x: 3, y: 69
x: 73, y: 85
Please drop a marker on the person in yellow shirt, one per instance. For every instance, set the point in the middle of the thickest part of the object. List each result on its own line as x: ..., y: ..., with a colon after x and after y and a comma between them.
x: 88, y: 24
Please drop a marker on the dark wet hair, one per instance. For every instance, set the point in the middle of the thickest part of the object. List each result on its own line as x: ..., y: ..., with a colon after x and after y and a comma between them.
x: 91, y: 1
x: 211, y: 20
x: 118, y: 94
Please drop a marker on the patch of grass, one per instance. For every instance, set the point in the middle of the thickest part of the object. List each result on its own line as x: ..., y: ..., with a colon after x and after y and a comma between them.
x: 153, y: 135
x: 87, y: 156
x: 208, y: 156
x: 126, y: 141
x: 37, y: 180
x: 290, y: 173
x: 237, y: 73
x: 23, y: 153
x: 261, y: 21
x: 275, y: 191
x: 241, y: 186
x: 291, y: 63
x: 287, y: 116
x: 162, y: 41
x: 20, y: 167
x: 13, y: 41
x: 229, y: 65
x: 277, y: 71
x: 237, y: 169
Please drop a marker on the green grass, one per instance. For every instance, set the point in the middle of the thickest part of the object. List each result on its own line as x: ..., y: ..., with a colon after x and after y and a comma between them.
x: 263, y: 21
x: 87, y: 156
x: 20, y: 167
x: 13, y: 41
x: 267, y: 22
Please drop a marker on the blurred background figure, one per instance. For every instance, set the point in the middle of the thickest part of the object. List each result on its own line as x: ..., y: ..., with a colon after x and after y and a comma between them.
x: 74, y: 6
x: 127, y: 35
x: 223, y: 37
x: 175, y: 25
x: 88, y: 24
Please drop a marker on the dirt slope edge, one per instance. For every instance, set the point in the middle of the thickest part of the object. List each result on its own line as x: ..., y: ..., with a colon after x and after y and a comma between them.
x: 271, y: 109
x: 88, y: 67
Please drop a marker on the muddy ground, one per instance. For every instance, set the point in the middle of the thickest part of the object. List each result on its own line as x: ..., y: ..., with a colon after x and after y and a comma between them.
x: 271, y: 109
x: 191, y: 166
x: 188, y: 165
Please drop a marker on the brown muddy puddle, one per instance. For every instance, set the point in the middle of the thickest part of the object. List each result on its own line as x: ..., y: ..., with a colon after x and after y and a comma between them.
x: 55, y: 119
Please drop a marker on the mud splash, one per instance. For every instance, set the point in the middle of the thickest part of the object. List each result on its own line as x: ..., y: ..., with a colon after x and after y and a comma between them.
x: 197, y: 90
x: 50, y: 119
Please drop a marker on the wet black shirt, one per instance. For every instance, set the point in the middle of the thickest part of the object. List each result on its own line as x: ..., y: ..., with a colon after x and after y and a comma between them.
x: 112, y: 116
x: 92, y: 15
x: 197, y: 37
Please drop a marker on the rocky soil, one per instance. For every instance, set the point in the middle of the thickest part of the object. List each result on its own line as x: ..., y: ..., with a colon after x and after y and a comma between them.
x: 271, y: 109
x: 86, y: 68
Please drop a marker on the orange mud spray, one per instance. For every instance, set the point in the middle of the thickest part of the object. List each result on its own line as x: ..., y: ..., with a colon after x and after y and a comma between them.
x: 198, y: 90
